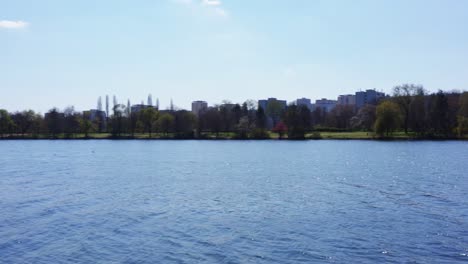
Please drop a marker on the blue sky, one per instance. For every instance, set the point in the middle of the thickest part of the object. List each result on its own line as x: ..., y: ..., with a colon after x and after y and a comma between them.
x: 60, y: 53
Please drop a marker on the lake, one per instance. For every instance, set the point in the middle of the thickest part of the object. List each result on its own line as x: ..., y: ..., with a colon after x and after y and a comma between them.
x: 233, y: 201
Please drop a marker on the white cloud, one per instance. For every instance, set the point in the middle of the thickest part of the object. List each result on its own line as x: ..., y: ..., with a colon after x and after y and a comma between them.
x: 214, y: 7
x: 13, y: 24
x: 211, y: 2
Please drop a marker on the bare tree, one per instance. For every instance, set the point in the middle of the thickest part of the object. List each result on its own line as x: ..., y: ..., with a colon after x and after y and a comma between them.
x: 403, y: 96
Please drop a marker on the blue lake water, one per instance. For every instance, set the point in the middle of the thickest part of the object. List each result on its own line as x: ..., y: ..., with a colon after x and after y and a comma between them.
x: 233, y: 202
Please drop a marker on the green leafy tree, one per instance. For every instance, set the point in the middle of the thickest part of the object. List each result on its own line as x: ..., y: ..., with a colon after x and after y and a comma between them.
x: 244, y: 109
x: 133, y: 122
x: 453, y: 100
x: 24, y: 121
x: 249, y: 110
x: 54, y: 122
x: 274, y: 110
x: 184, y: 124
x: 417, y: 114
x: 71, y: 121
x: 260, y: 118
x: 149, y: 118
x: 37, y: 125
x: 462, y: 116
x: 86, y: 126
x: 306, y: 117
x: 462, y: 128
x: 213, y: 121
x: 118, y: 119
x: 259, y: 130
x: 227, y: 119
x: 318, y: 116
x: 463, y: 103
x: 100, y: 122
x: 295, y: 123
x: 388, y: 118
x: 237, y: 113
x: 165, y: 123
x: 5, y: 122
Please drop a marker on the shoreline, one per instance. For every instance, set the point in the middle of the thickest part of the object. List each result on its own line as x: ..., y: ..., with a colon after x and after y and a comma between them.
x: 333, y: 137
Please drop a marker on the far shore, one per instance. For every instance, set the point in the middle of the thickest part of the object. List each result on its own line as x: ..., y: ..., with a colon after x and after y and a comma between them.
x: 356, y: 135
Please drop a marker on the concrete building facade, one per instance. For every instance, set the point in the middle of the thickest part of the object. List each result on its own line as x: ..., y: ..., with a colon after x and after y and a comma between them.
x: 305, y: 102
x: 325, y: 104
x: 264, y: 103
x: 95, y: 114
x: 272, y: 119
x: 199, y: 107
x: 98, y: 116
x: 347, y: 99
x: 137, y: 108
x: 368, y: 97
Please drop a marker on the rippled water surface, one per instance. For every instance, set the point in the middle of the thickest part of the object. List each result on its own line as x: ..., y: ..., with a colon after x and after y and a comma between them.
x: 233, y: 202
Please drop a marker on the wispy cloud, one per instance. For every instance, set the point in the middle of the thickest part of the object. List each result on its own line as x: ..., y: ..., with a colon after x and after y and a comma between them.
x: 211, y: 2
x: 214, y: 7
x: 13, y: 24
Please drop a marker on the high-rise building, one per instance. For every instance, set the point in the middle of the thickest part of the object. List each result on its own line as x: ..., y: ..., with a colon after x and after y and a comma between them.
x: 264, y: 103
x: 325, y: 104
x: 198, y: 107
x: 98, y: 116
x: 95, y: 114
x: 272, y: 108
x: 347, y: 99
x: 368, y: 97
x: 305, y: 102
x: 228, y: 106
x: 138, y: 107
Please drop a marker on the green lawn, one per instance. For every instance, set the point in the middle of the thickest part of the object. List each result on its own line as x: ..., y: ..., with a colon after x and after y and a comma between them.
x: 346, y: 135
x: 363, y: 135
x: 230, y: 135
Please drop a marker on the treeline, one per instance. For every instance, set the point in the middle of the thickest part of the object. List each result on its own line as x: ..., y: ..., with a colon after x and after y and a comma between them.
x: 413, y: 110
x: 410, y: 110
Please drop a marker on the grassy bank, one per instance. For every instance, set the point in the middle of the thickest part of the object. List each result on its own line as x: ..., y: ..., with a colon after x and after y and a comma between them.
x: 356, y: 135
x: 365, y: 135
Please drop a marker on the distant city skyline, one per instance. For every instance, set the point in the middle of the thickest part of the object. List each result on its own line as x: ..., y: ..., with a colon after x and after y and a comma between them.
x: 57, y: 53
x: 100, y: 105
x: 149, y: 100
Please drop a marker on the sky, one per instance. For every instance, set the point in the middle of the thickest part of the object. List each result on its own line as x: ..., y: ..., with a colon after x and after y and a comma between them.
x: 56, y: 53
